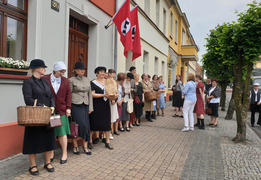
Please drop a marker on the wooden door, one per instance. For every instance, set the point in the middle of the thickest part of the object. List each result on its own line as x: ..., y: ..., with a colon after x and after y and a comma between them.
x: 78, y: 50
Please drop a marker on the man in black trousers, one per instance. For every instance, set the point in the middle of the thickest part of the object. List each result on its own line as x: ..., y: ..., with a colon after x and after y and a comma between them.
x: 255, y: 102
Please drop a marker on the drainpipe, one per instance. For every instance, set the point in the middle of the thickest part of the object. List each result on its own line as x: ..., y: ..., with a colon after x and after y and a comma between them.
x: 115, y: 41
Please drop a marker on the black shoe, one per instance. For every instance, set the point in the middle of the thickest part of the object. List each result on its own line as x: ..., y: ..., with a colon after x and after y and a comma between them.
x: 116, y: 133
x: 34, y: 173
x: 104, y: 140
x: 253, y: 125
x: 63, y: 161
x: 175, y: 115
x: 122, y: 129
x: 76, y: 151
x: 108, y: 145
x: 49, y: 169
x: 90, y: 146
x: 88, y: 152
x: 198, y: 123
x: 96, y: 140
x: 150, y: 120
x: 137, y: 124
x: 128, y: 129
x: 52, y: 159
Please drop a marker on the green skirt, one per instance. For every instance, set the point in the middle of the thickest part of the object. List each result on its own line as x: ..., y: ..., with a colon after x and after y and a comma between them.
x: 64, y: 129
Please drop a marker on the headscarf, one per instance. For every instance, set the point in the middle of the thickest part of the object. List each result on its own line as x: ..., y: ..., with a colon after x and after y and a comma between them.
x: 59, y: 66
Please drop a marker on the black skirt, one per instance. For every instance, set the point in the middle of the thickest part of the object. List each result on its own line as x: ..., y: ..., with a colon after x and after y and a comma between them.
x: 177, y: 99
x: 138, y: 108
x: 38, y: 140
x: 80, y: 114
x: 214, y: 107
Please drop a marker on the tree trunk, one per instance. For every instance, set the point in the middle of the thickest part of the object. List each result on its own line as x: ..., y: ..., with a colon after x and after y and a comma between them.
x: 241, y: 98
x: 231, y: 107
x: 223, y: 95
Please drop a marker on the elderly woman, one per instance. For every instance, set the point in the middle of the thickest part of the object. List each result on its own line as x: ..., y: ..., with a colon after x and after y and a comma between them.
x: 38, y: 139
x: 199, y: 107
x: 189, y: 93
x: 128, y: 93
x: 213, y: 98
x: 138, y: 106
x: 147, y: 87
x: 120, y: 81
x: 60, y: 88
x: 162, y: 95
x: 82, y: 105
x: 101, y: 116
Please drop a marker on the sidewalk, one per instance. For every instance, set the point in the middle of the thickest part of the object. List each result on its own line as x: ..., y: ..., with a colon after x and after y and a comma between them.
x: 156, y: 150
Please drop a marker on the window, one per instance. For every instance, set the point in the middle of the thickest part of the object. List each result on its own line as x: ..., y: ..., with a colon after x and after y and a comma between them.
x: 171, y: 24
x: 176, y: 31
x: 183, y: 37
x: 147, y: 7
x: 163, y: 69
x: 164, y: 20
x: 156, y: 64
x: 157, y: 12
x: 145, y: 62
x: 13, y: 28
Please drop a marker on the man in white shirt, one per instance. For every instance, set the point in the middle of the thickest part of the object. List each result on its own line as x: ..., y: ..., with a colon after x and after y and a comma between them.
x: 255, y: 101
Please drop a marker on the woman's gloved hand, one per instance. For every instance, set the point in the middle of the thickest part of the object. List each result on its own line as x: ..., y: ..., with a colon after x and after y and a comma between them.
x: 52, y: 108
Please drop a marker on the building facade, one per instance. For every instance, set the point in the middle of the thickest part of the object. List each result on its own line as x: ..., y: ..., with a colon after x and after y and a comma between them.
x: 183, y: 51
x: 60, y: 30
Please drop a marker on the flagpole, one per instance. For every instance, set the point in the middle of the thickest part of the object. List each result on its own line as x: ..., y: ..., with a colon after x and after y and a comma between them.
x: 108, y: 25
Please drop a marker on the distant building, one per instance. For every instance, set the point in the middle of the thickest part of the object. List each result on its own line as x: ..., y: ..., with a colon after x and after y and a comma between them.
x: 199, y: 70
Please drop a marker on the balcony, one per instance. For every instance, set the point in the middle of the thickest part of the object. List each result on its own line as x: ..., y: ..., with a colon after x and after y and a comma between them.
x: 189, y: 52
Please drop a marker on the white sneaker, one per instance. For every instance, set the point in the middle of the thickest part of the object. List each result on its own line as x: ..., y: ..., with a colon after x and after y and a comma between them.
x: 111, y: 137
x: 185, y: 129
x: 191, y: 128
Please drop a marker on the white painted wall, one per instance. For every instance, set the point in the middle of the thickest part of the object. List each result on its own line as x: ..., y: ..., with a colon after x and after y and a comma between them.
x: 50, y: 32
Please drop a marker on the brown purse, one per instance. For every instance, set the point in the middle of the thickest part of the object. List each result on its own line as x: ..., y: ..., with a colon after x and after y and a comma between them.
x: 208, y: 111
x: 55, y: 121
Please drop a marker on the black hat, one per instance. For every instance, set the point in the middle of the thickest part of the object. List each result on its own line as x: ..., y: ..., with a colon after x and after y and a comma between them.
x: 79, y: 65
x: 99, y: 68
x: 36, y: 63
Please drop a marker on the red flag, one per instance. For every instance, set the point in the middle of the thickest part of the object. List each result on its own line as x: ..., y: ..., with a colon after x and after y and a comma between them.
x: 122, y: 20
x: 135, y: 29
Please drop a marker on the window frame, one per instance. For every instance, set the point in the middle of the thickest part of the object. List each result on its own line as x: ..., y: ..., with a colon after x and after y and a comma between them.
x: 7, y: 10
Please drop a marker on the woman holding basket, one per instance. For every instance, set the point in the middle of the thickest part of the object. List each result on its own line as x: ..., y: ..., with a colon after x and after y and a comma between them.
x: 38, y: 139
x: 60, y: 88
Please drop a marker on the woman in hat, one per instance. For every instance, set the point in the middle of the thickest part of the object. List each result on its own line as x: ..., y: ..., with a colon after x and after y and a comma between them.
x: 82, y: 105
x: 60, y: 88
x: 38, y: 139
x: 100, y: 119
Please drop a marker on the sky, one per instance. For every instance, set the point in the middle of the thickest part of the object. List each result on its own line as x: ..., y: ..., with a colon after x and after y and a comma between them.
x: 204, y: 15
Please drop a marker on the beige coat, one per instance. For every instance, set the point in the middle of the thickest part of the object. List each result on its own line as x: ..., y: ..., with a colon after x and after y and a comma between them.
x: 148, y: 105
x: 81, y: 91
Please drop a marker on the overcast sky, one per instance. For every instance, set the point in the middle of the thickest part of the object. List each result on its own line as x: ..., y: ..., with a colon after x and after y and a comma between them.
x: 204, y: 15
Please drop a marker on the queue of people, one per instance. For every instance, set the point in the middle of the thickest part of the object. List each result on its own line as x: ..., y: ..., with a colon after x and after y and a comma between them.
x: 193, y: 97
x: 88, y: 104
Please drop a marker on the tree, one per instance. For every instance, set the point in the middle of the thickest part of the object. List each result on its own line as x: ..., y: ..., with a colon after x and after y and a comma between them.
x: 240, y: 46
x: 213, y: 62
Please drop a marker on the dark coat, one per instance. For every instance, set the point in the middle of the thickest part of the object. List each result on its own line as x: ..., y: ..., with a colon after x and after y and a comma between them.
x: 37, y: 89
x: 63, y: 98
x: 38, y: 139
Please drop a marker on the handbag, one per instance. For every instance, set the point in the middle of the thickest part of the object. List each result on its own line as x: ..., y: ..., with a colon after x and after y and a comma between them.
x: 208, y: 111
x: 136, y: 99
x: 55, y: 121
x: 130, y: 105
x: 73, y: 128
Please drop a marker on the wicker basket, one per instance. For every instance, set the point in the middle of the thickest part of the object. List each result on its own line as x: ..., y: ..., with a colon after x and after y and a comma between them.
x: 150, y: 96
x: 158, y: 94
x: 33, y: 115
x: 111, y: 96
